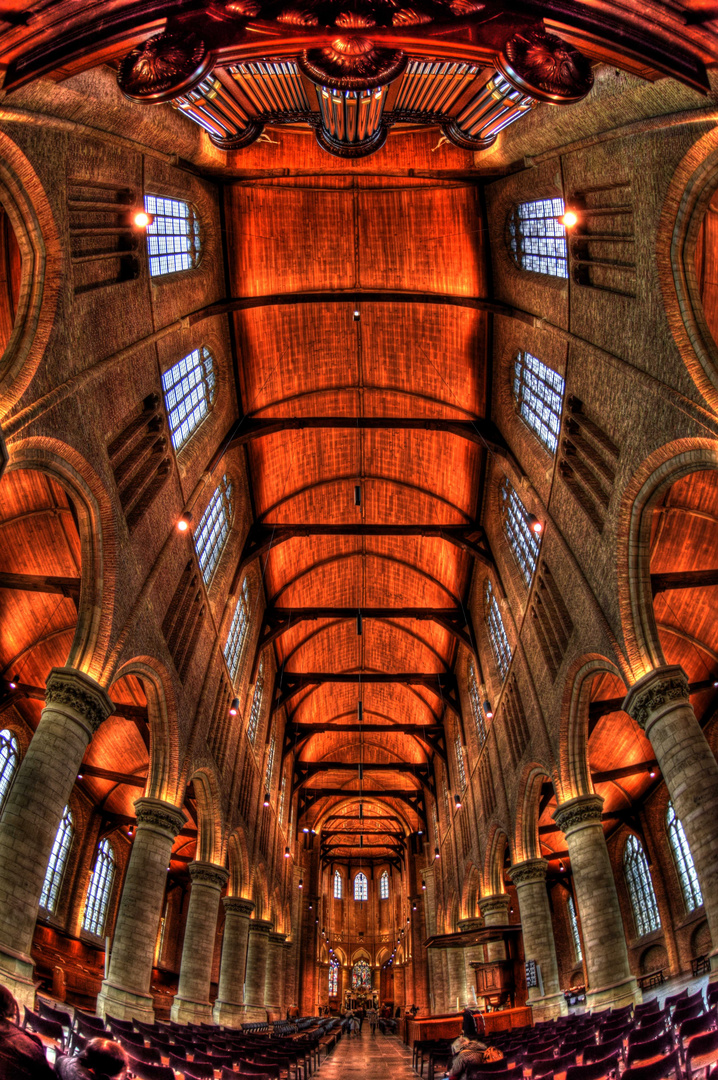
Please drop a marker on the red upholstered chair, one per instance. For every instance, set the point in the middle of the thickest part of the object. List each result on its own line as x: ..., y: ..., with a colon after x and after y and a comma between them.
x: 605, y: 1069
x: 665, y: 1068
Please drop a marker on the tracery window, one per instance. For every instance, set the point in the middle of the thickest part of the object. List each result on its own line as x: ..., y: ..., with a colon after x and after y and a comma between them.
x: 173, y: 236
x: 237, y: 636
x: 537, y: 238
x: 523, y: 542
x: 361, y: 887
x: 692, y: 895
x: 189, y: 389
x: 435, y: 820
x: 338, y: 885
x: 640, y: 888
x: 445, y: 792
x: 361, y: 977
x: 538, y: 393
x: 58, y: 861
x: 256, y: 710
x: 9, y: 761
x: 476, y: 706
x: 98, y: 894
x: 497, y: 635
x: 574, y: 930
x: 213, y: 529
x: 333, y: 980
x: 460, y: 760
x: 282, y: 798
x: 384, y: 886
x: 270, y: 765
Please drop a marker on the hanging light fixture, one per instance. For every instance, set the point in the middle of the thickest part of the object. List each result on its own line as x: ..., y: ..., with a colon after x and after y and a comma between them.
x: 534, y: 524
x: 457, y: 802
x: 301, y: 886
x: 436, y: 853
x: 488, y: 711
x: 266, y: 799
x: 569, y: 219
x: 234, y: 707
x: 358, y: 623
x: 286, y: 852
x: 13, y: 684
x: 360, y: 711
x: 357, y: 494
x: 184, y: 521
x: 142, y: 219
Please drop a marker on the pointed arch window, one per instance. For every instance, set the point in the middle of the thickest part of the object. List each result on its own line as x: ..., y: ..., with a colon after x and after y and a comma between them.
x: 270, y: 765
x: 640, y: 888
x: 58, y: 863
x: 361, y: 887
x: 282, y: 798
x: 522, y: 540
x: 333, y: 981
x: 189, y: 389
x: 497, y: 634
x: 435, y: 821
x: 538, y: 393
x: 98, y: 894
x: 537, y: 238
x: 172, y: 237
x: 213, y: 529
x: 256, y: 710
x: 338, y: 886
x: 461, y: 769
x: 384, y: 886
x: 445, y: 793
x: 476, y: 706
x: 692, y: 895
x: 575, y: 936
x: 9, y: 761
x: 237, y: 637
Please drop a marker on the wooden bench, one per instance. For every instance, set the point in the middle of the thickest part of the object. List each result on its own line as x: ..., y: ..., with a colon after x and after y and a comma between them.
x: 651, y: 978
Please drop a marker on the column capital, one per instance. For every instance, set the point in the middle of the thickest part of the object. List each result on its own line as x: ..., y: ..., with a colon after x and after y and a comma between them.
x: 238, y: 905
x: 81, y: 694
x: 528, y: 872
x: 467, y: 925
x: 162, y: 816
x: 579, y: 812
x: 496, y: 905
x: 276, y: 938
x: 207, y: 873
x: 663, y: 686
x: 260, y: 926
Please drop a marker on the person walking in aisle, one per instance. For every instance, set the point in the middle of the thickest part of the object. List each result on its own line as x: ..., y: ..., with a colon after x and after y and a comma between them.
x: 372, y: 1017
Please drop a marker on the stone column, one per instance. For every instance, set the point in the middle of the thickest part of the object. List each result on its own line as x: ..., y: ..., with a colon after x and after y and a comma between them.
x: 274, y: 981
x: 457, y: 979
x: 228, y: 1008
x: 125, y: 992
x: 530, y: 880
x: 75, y: 706
x: 608, y: 972
x: 471, y: 953
x: 191, y: 1004
x: 256, y: 977
x: 659, y: 703
x: 495, y: 910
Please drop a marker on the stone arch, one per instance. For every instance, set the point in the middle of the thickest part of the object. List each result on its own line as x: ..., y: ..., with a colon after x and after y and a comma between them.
x: 163, y: 779
x: 260, y: 892
x: 361, y: 953
x: 238, y: 855
x: 210, y: 831
x: 452, y: 914
x: 526, y: 835
x: 277, y: 912
x: 470, y: 892
x: 341, y: 956
x: 383, y: 955
x: 574, y: 774
x: 494, y: 862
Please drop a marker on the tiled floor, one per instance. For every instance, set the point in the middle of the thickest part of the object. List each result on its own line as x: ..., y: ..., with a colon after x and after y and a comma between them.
x: 378, y: 1057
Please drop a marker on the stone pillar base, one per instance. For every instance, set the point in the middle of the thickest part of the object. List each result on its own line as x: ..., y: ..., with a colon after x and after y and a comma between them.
x: 228, y: 1014
x: 124, y: 1004
x: 548, y: 1007
x: 16, y: 972
x: 626, y: 992
x: 184, y: 1011
x: 252, y: 1014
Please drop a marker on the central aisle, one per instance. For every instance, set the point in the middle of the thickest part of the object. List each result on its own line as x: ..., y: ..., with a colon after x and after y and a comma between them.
x: 373, y: 1057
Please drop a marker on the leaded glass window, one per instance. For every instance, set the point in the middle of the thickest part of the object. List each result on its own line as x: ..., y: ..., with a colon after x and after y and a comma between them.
x: 189, y: 388
x: 445, y: 793
x: 692, y: 895
x: 270, y: 765
x: 523, y: 542
x: 435, y: 820
x: 497, y: 634
x: 538, y: 393
x: 574, y: 930
x: 338, y: 885
x: 282, y: 798
x: 213, y: 529
x: 384, y: 886
x: 98, y: 894
x: 476, y: 706
x: 361, y: 887
x: 237, y: 636
x: 640, y: 888
x: 256, y: 710
x: 538, y: 239
x: 333, y: 980
x: 461, y: 770
x: 173, y: 236
x: 9, y: 761
x: 58, y: 861
x: 361, y: 976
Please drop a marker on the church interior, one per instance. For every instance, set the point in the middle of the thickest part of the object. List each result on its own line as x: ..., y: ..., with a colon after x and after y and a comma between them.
x: 359, y: 528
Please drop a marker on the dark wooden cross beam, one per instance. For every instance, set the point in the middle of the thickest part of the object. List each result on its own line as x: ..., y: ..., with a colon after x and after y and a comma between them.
x: 625, y: 770
x: 683, y: 579
x: 110, y: 774
x: 308, y: 797
x: 42, y: 583
x: 330, y: 833
x: 288, y: 684
x: 296, y: 735
x: 597, y: 709
x: 365, y: 860
x: 305, y: 770
x: 364, y: 817
x: 327, y: 852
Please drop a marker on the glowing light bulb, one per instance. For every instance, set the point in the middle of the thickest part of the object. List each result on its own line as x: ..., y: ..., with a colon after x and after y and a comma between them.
x: 569, y: 219
x: 184, y: 521
x: 141, y: 219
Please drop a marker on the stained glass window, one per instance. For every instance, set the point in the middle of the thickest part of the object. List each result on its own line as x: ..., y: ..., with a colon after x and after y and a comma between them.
x: 256, y: 710
x: 538, y: 239
x: 213, y: 529
x: 189, y: 387
x: 173, y: 236
x: 238, y: 631
x: 574, y: 930
x: 460, y: 760
x: 361, y: 887
x: 523, y: 542
x: 9, y: 761
x: 384, y: 886
x: 58, y: 861
x: 333, y: 980
x: 338, y: 885
x: 692, y: 895
x: 538, y: 393
x: 476, y: 706
x: 98, y: 894
x: 640, y: 888
x: 497, y: 635
x: 361, y: 977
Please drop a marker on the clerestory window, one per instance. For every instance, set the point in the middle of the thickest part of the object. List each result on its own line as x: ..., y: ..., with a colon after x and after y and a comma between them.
x: 574, y: 930
x: 384, y: 885
x: 692, y: 895
x: 256, y: 710
x: 173, y: 242
x: 461, y: 769
x: 476, y: 705
x: 213, y: 529
x: 523, y: 542
x: 58, y: 863
x: 338, y: 885
x: 538, y: 394
x: 361, y: 887
x: 189, y: 389
x: 9, y: 761
x: 497, y: 634
x: 98, y: 894
x: 640, y: 888
x: 537, y: 238
x: 237, y: 637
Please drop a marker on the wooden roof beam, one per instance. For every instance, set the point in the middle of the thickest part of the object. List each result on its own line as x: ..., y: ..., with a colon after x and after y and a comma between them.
x: 597, y: 709
x: 37, y: 693
x: 288, y: 684
x: 683, y: 579
x: 42, y: 583
x: 296, y: 735
x: 306, y: 770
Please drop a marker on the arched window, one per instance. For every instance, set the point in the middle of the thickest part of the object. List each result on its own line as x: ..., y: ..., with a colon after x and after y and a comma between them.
x: 435, y: 821
x: 445, y: 792
x: 333, y: 980
x: 282, y: 798
x: 538, y: 393
x: 173, y: 236
x: 338, y: 885
x: 476, y: 706
x: 384, y: 886
x: 640, y: 888
x: 256, y: 710
x: 98, y: 894
x: 213, y: 529
x: 522, y: 540
x: 9, y: 761
x: 537, y: 238
x: 497, y: 635
x: 692, y: 895
x: 361, y: 887
x: 270, y: 765
x: 361, y: 977
x: 57, y: 863
x: 237, y: 637
x: 189, y: 388
x: 574, y: 930
x: 461, y: 771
